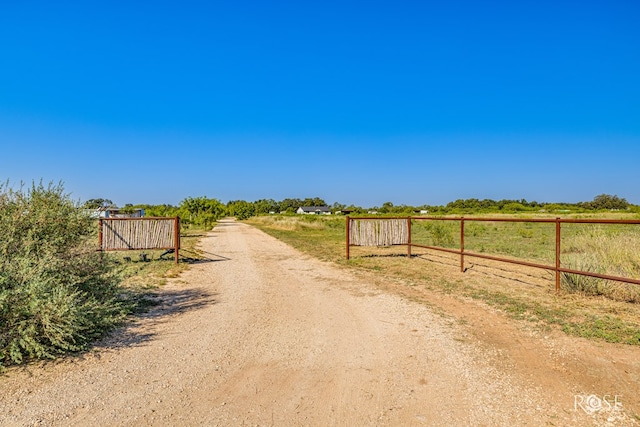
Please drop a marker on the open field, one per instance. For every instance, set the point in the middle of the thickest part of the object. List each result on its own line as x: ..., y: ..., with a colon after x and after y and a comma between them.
x: 523, y: 293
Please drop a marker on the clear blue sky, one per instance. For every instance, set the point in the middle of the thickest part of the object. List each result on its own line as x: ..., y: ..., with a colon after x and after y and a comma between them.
x: 413, y: 102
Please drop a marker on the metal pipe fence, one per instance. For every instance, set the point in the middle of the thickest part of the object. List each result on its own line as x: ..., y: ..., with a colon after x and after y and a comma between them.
x: 462, y: 252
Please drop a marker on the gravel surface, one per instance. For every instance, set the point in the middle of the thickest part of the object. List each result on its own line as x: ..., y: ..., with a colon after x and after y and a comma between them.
x: 262, y: 335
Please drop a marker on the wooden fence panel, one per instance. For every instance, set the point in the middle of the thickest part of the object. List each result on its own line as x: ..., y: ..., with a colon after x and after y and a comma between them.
x: 141, y: 233
x: 378, y: 232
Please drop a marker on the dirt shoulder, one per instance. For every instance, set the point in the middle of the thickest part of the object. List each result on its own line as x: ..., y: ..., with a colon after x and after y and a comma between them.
x: 572, y: 368
x: 263, y: 335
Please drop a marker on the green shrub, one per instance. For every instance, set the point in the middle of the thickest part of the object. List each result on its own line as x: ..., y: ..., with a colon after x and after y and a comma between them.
x: 57, y: 293
x: 442, y: 234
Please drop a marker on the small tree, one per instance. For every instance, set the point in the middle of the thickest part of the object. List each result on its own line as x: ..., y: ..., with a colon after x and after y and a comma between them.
x: 264, y: 206
x: 201, y: 211
x: 241, y: 209
x: 158, y: 210
x: 513, y: 207
x: 98, y: 204
x: 606, y: 201
x: 387, y: 207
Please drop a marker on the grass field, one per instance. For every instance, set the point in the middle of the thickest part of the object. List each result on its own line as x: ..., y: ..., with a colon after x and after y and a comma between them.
x: 584, y: 307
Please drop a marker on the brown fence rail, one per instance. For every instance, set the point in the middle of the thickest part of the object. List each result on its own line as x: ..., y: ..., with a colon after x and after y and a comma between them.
x: 358, y: 238
x: 123, y: 234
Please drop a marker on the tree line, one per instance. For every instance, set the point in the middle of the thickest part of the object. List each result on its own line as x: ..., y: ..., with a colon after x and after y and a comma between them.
x: 204, y: 211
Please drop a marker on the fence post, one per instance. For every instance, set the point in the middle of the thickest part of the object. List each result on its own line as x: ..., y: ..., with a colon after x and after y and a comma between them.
x: 557, y: 254
x: 347, y: 228
x: 409, y: 237
x: 462, y: 244
x: 100, y: 237
x: 176, y: 237
x: 100, y: 234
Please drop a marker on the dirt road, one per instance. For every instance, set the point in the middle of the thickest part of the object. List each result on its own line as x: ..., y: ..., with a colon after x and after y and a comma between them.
x: 263, y: 335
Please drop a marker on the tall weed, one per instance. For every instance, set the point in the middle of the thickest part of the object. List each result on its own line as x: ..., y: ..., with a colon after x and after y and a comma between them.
x: 612, y: 251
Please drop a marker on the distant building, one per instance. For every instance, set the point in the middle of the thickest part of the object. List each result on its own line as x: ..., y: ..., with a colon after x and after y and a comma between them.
x: 116, y: 213
x: 314, y: 210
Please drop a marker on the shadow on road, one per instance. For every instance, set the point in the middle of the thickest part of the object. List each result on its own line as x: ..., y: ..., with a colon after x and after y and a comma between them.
x: 215, y: 257
x: 201, y: 257
x: 226, y: 224
x: 160, y: 307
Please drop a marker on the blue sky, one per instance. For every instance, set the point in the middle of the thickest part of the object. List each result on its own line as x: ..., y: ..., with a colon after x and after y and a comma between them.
x: 413, y: 102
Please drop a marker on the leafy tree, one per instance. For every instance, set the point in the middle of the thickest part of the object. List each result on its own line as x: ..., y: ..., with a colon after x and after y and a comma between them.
x: 387, y: 207
x: 98, y: 204
x: 316, y: 201
x: 159, y: 210
x: 513, y: 207
x: 128, y: 208
x: 290, y: 205
x: 337, y: 207
x: 355, y: 209
x: 606, y: 201
x: 264, y: 206
x: 201, y: 211
x: 241, y: 209
x: 404, y: 209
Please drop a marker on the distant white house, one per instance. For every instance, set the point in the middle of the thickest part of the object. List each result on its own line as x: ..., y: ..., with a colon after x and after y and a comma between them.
x: 314, y: 210
x: 116, y: 213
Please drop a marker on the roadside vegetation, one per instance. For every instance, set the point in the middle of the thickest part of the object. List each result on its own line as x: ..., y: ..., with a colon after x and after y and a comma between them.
x: 584, y: 307
x: 58, y: 294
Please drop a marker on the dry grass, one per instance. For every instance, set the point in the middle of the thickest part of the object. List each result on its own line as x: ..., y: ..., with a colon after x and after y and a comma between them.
x: 291, y: 223
x: 153, y: 272
x: 612, y: 250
